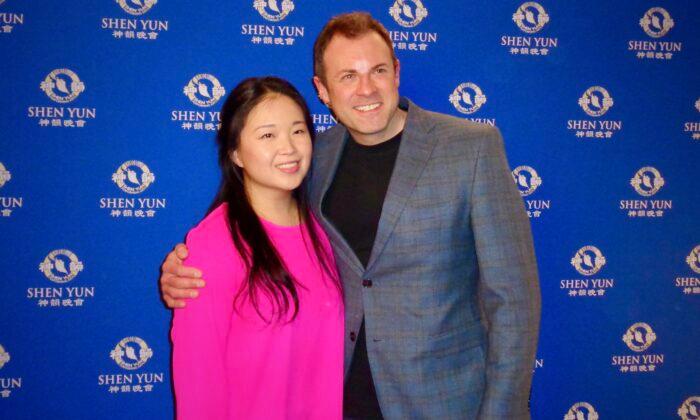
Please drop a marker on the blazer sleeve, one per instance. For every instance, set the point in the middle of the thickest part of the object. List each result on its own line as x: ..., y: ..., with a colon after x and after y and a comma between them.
x: 198, y: 346
x: 508, y: 283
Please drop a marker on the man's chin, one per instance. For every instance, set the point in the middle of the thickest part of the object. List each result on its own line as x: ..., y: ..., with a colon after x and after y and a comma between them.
x: 369, y: 129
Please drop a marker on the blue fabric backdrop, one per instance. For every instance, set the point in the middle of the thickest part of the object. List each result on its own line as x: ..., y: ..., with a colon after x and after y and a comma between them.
x: 107, y: 118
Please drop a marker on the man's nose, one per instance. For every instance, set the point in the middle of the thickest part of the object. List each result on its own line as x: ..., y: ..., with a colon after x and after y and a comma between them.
x: 366, y: 86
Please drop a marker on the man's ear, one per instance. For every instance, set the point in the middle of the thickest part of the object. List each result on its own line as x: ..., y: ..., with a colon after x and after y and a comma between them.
x: 322, y: 91
x: 397, y: 72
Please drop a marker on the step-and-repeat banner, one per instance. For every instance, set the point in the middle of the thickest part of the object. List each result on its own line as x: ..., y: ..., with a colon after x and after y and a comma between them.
x: 108, y: 111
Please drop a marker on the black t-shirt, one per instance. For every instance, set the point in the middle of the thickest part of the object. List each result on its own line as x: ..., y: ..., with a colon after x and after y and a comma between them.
x: 354, y: 205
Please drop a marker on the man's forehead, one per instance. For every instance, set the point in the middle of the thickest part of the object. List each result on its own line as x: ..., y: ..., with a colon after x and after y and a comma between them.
x: 367, y: 37
x: 346, y: 50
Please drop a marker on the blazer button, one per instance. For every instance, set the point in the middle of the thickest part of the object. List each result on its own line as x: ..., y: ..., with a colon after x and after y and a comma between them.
x: 366, y: 283
x: 353, y: 336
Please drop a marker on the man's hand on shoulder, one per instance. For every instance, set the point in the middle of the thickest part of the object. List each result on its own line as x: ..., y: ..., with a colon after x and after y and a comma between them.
x: 178, y: 282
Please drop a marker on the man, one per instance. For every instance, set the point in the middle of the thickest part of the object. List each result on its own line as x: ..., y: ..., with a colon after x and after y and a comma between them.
x: 431, y: 241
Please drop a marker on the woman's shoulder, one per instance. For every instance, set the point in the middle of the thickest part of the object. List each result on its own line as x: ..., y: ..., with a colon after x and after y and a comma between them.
x: 210, y: 247
x: 212, y: 230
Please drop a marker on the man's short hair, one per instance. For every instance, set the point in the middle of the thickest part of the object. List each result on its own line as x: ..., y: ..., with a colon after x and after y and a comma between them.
x: 350, y: 25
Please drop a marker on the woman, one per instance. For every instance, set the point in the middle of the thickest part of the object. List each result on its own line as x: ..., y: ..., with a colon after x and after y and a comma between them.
x: 264, y: 340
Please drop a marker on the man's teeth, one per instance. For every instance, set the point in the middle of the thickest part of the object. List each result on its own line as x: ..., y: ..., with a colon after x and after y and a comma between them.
x: 288, y: 165
x: 365, y: 108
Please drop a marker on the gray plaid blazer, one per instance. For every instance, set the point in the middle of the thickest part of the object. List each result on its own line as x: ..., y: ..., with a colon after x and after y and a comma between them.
x: 452, y: 314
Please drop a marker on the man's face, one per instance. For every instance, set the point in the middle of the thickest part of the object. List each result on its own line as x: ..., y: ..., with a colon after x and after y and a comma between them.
x: 362, y: 87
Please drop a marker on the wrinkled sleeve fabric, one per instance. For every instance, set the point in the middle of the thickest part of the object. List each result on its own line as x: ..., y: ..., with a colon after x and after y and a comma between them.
x: 508, y: 283
x: 198, y: 336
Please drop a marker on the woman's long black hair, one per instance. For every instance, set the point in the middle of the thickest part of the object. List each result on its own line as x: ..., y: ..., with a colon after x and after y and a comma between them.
x: 266, y: 271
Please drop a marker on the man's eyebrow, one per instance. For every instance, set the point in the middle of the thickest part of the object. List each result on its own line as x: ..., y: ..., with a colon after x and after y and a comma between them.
x: 355, y: 71
x: 345, y: 71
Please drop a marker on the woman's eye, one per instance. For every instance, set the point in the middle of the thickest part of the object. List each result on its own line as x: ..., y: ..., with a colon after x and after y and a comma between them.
x: 266, y: 136
x: 300, y: 131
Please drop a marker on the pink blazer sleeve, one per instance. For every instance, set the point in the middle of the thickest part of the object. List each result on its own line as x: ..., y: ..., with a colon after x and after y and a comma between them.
x: 198, y: 334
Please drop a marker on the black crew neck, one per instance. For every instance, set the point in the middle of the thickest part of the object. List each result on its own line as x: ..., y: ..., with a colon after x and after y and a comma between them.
x: 390, y: 144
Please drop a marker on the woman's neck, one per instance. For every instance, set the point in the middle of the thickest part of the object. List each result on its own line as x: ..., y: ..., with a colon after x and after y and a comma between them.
x: 278, y: 207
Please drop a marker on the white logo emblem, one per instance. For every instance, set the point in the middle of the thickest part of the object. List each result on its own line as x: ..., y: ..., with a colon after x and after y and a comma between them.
x: 62, y: 85
x: 690, y: 409
x: 61, y: 266
x: 639, y: 337
x: 595, y: 101
x: 5, y: 175
x: 647, y: 181
x: 526, y: 179
x: 131, y: 353
x: 693, y: 259
x: 656, y: 22
x: 530, y: 17
x: 581, y: 411
x: 697, y: 105
x: 408, y: 13
x: 204, y: 90
x: 588, y: 260
x: 4, y: 356
x: 136, y: 7
x: 133, y: 177
x: 467, y: 98
x: 271, y: 10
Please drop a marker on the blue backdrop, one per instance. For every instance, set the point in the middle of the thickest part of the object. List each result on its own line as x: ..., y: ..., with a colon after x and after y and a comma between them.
x: 108, y: 111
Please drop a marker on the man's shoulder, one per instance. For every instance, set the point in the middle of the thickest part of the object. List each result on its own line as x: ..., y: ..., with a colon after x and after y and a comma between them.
x: 331, y: 133
x: 454, y: 127
x: 328, y: 138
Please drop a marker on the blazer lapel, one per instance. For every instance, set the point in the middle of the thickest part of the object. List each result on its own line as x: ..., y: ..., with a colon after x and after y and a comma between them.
x: 414, y: 152
x: 327, y: 161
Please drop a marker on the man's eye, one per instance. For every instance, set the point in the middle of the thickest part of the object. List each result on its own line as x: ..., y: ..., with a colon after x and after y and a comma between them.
x: 381, y: 70
x: 348, y: 76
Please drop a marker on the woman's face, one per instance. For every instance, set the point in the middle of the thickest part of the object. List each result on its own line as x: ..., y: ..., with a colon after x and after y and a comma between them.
x: 274, y: 150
